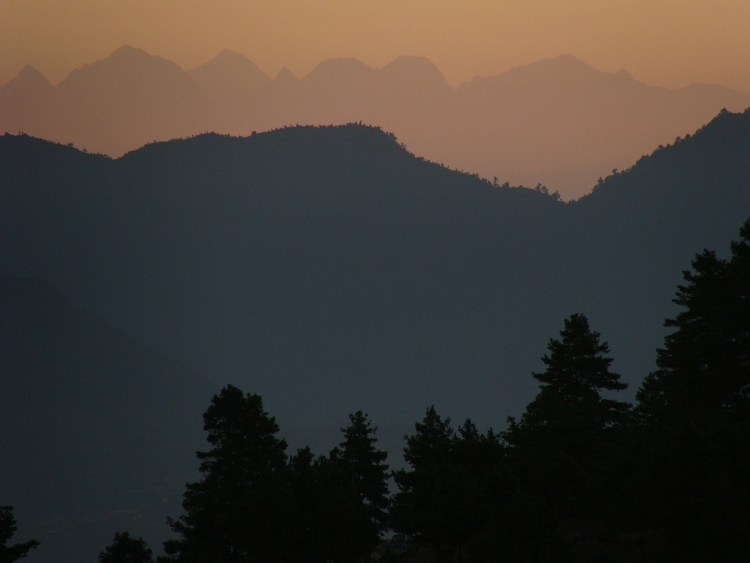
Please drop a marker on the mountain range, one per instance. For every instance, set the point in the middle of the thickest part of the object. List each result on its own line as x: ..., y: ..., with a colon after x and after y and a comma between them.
x: 557, y: 122
x: 326, y: 268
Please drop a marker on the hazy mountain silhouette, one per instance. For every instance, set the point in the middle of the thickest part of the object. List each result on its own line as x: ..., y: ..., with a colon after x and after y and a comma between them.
x: 21, y: 100
x: 562, y: 120
x: 228, y: 74
x: 29, y: 86
x: 97, y: 429
x: 118, y: 103
x: 558, y: 121
x: 286, y: 76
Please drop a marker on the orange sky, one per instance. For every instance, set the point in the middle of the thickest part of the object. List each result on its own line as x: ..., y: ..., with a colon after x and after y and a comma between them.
x: 661, y: 42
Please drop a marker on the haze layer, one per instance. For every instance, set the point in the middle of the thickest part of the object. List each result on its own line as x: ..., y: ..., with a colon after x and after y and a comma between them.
x: 662, y: 42
x: 557, y: 122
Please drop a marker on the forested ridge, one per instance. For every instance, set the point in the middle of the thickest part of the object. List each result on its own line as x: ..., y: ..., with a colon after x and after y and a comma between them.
x: 328, y: 270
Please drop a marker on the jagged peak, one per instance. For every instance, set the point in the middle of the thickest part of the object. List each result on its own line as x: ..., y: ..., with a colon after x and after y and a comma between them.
x: 29, y: 77
x: 562, y: 64
x: 229, y: 72
x: 414, y: 67
x: 411, y: 62
x: 229, y: 55
x: 230, y: 60
x: 338, y: 68
x: 129, y: 52
x: 563, y: 69
x: 286, y: 76
x: 623, y: 75
x: 125, y: 61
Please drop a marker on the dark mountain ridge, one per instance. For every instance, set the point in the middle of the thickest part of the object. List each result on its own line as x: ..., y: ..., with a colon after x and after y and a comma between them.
x: 260, y: 255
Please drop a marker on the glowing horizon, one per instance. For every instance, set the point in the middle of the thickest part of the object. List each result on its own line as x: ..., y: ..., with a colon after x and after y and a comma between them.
x: 664, y: 43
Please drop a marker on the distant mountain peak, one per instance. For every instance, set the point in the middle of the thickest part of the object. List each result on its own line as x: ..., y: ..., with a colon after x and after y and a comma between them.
x: 564, y: 71
x: 230, y: 60
x: 411, y: 62
x: 562, y: 64
x: 30, y: 74
x: 22, y: 94
x: 229, y: 72
x: 413, y: 68
x: 622, y: 73
x: 228, y: 54
x: 29, y: 79
x: 339, y: 69
x: 286, y: 76
x: 129, y: 52
x: 126, y: 66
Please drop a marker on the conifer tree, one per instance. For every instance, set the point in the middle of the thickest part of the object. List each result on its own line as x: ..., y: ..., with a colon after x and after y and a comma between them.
x: 425, y: 507
x: 365, y: 465
x: 562, y: 437
x: 693, y: 486
x: 241, y: 510
x: 704, y: 367
x: 126, y: 549
x: 8, y: 527
x: 342, y: 497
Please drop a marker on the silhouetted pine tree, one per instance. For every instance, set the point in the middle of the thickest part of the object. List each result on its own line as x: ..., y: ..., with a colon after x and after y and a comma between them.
x: 341, y: 498
x: 365, y: 467
x: 459, y: 496
x: 10, y: 553
x: 242, y: 508
x: 125, y: 549
x: 560, y: 445
x: 694, y: 415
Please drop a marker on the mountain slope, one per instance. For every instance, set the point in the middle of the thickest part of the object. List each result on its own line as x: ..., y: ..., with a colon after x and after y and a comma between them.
x: 228, y: 74
x: 97, y: 429
x: 559, y: 121
x: 121, y: 102
x: 330, y: 270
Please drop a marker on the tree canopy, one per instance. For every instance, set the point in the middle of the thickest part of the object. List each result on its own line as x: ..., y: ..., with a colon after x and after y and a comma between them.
x: 562, y: 439
x: 239, y: 511
x: 8, y: 527
x: 126, y: 549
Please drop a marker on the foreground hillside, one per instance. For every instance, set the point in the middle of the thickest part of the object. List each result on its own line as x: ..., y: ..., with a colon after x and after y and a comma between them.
x: 557, y: 121
x: 328, y: 267
x: 329, y: 270
x: 98, y: 429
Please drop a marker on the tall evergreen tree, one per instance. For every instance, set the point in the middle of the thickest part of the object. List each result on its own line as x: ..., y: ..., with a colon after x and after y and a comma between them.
x: 694, y: 414
x: 126, y: 549
x: 562, y: 438
x: 330, y: 521
x: 365, y: 465
x: 704, y: 367
x: 342, y: 497
x: 8, y: 527
x: 432, y: 495
x: 241, y: 510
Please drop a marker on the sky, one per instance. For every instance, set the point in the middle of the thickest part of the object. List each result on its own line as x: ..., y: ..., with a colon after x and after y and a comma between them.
x: 668, y: 43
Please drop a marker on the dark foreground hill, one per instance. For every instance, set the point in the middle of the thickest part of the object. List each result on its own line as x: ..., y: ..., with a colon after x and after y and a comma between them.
x: 330, y: 270
x: 98, y: 429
